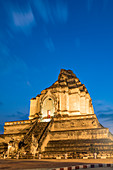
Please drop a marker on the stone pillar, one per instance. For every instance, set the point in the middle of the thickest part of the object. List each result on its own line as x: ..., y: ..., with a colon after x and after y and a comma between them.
x: 60, y: 101
x: 87, y: 103
x: 67, y: 101
x: 32, y: 108
x: 63, y: 101
x: 82, y: 103
x: 78, y: 102
x: 38, y: 105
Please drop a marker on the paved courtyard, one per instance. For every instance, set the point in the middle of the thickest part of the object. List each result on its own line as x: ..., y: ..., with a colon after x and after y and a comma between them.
x: 101, y: 168
x: 45, y: 164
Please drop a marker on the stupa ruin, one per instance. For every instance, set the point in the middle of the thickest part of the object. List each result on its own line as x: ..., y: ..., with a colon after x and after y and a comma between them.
x: 62, y: 123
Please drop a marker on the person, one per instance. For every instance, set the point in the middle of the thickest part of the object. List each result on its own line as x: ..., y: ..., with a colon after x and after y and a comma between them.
x: 3, y: 154
x: 17, y: 156
x: 39, y: 155
x: 65, y: 155
x: 95, y: 155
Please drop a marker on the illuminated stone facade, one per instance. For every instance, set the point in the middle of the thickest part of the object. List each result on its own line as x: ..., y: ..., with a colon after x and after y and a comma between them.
x: 61, y: 121
x: 67, y: 96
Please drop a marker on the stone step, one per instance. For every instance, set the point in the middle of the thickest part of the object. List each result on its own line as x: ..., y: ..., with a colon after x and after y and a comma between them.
x: 80, y: 142
x: 57, y: 144
x: 73, y: 151
x: 76, y: 148
x: 79, y: 145
x: 37, y: 130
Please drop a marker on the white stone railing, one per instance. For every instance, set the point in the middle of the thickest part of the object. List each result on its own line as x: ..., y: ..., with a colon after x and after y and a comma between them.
x: 18, y: 122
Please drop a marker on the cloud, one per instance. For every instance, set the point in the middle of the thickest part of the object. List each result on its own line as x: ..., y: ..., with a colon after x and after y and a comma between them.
x: 18, y: 16
x: 42, y: 10
x: 49, y: 44
x: 104, y: 112
x: 108, y: 117
x: 92, y: 3
x: 10, y: 63
x: 24, y: 16
x: 61, y: 11
x: 102, y: 105
x: 23, y: 19
x: 13, y: 117
x: 89, y: 4
x: 107, y: 110
x: 98, y: 102
x: 5, y: 58
x: 103, y: 108
x: 18, y: 116
x: 1, y: 128
x: 50, y: 12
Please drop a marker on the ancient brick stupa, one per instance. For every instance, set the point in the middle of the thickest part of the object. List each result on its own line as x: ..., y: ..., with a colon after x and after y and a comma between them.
x: 61, y: 123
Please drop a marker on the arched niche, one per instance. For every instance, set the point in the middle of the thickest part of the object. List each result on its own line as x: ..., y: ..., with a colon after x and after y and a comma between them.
x: 48, y: 107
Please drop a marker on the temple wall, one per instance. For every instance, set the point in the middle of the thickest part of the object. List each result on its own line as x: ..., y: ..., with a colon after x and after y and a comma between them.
x: 91, y: 110
x: 82, y: 103
x: 16, y: 127
x: 87, y: 104
x: 72, y: 102
x: 60, y: 101
x: 78, y: 101
x: 80, y: 134
x: 74, y: 124
x: 63, y: 101
x: 37, y: 104
x: 33, y: 107
x: 67, y: 102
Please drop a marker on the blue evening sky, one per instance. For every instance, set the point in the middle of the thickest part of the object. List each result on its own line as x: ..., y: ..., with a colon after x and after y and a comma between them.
x: 39, y: 37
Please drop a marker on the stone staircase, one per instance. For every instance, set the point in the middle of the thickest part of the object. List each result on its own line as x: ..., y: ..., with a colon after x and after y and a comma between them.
x: 77, y: 145
x: 71, y: 147
x: 37, y: 129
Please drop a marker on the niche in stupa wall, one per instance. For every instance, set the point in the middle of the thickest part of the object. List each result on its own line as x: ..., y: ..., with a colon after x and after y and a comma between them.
x: 63, y: 102
x: 82, y: 105
x: 74, y: 102
x: 48, y: 107
x: 87, y: 105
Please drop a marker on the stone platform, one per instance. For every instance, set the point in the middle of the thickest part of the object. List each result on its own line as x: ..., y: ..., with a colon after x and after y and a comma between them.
x: 67, y: 136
